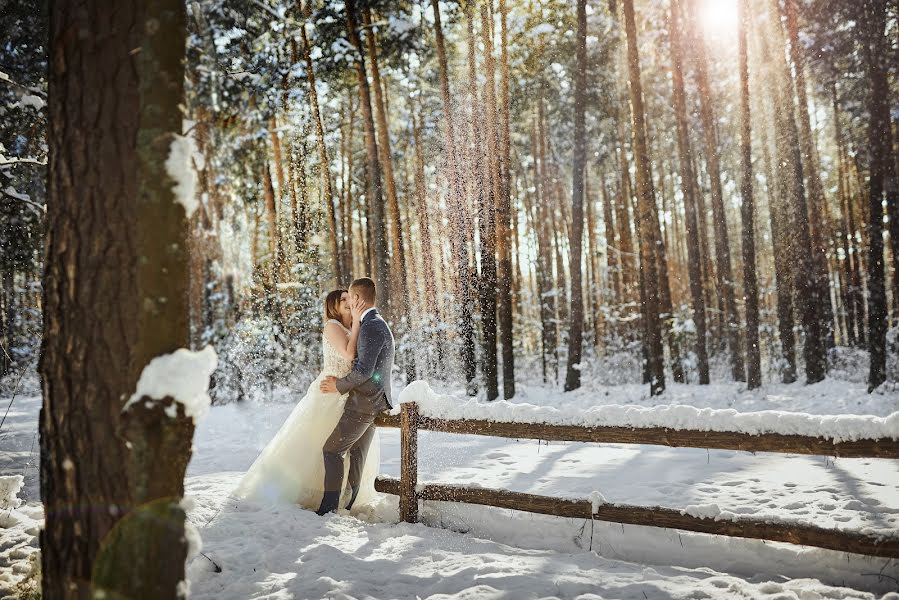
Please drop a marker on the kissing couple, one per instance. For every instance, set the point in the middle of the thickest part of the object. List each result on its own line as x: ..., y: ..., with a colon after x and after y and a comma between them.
x: 329, y: 437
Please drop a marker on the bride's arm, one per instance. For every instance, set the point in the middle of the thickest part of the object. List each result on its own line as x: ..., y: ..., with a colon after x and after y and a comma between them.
x: 336, y: 335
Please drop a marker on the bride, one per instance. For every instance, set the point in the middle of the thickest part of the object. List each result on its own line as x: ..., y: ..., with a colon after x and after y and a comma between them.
x: 291, y: 467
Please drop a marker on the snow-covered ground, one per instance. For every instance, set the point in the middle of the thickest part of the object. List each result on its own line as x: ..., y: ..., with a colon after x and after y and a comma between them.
x: 286, y: 552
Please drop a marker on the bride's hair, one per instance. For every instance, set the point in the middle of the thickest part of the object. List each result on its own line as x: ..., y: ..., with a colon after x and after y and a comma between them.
x: 332, y: 305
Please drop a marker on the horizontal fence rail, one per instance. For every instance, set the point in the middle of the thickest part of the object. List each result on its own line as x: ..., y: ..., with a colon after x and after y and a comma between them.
x: 660, y: 436
x: 654, y: 516
x: 410, y: 421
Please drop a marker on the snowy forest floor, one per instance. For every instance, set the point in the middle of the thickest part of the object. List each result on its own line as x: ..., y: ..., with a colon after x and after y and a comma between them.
x: 286, y: 552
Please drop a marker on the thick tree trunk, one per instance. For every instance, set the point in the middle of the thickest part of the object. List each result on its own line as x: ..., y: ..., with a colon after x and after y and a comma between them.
x: 750, y: 281
x: 646, y: 204
x: 374, y: 198
x: 579, y: 159
x: 116, y: 241
x: 505, y: 276
x: 688, y: 179
x: 457, y: 219
x: 724, y: 270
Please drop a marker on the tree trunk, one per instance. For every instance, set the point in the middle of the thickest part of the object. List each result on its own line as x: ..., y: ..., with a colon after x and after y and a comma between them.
x: 400, y: 308
x: 505, y: 276
x: 8, y: 295
x: 646, y: 204
x: 778, y: 218
x: 845, y: 235
x: 817, y: 203
x: 724, y: 270
x: 485, y: 169
x: 579, y: 159
x: 457, y: 219
x: 384, y: 146
x: 424, y: 229
x: 873, y: 26
x: 380, y: 260
x: 688, y: 179
x: 613, y: 295
x: 116, y: 241
x: 324, y: 162
x: 808, y: 292
x: 544, y: 257
x: 272, y: 219
x: 348, y: 203
x: 750, y: 281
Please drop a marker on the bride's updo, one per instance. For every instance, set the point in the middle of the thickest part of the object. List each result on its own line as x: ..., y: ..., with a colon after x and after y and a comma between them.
x: 332, y: 305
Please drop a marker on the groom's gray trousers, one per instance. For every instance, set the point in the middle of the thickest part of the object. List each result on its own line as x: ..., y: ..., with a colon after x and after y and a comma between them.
x: 368, y: 386
x: 353, y: 434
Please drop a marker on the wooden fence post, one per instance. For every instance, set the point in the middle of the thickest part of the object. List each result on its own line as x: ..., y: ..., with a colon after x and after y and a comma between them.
x: 408, y: 462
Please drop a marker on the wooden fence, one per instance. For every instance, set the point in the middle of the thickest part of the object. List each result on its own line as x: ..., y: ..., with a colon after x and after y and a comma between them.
x: 409, y: 421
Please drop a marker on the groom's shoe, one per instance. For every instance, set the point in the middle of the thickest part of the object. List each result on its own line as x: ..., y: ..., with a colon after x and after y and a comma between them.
x: 330, y: 500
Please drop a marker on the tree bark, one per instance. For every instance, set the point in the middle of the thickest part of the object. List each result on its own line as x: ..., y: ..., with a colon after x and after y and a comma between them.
x: 459, y: 248
x: 116, y: 241
x: 808, y: 292
x: 873, y: 26
x: 722, y: 243
x: 424, y: 229
x: 544, y: 256
x: 505, y: 276
x: 401, y: 284
x: 485, y: 169
x: 817, y: 202
x: 646, y: 204
x: 374, y: 197
x: 400, y: 308
x: 271, y: 216
x: 750, y: 281
x: 579, y: 159
x: 779, y: 220
x: 688, y: 179
x: 324, y: 162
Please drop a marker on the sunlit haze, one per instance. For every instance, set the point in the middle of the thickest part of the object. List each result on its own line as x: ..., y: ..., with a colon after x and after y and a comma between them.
x: 719, y: 17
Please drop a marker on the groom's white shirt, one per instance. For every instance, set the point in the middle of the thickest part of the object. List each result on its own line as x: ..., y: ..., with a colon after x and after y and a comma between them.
x: 362, y: 318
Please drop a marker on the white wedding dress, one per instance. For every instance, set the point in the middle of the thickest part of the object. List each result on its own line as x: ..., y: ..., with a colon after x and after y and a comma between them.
x: 291, y: 468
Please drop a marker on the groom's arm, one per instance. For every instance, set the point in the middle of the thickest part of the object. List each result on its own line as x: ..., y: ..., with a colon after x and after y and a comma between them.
x: 367, y: 351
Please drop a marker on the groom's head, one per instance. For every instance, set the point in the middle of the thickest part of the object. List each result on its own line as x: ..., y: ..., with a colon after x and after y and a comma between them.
x: 365, y: 289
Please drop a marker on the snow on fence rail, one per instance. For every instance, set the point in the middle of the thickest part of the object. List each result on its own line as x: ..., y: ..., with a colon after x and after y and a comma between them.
x: 406, y: 487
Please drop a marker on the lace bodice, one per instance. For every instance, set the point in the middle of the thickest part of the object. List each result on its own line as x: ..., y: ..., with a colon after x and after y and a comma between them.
x: 334, y: 363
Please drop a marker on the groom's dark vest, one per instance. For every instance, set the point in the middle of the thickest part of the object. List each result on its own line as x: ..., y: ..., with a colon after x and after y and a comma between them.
x: 369, y: 382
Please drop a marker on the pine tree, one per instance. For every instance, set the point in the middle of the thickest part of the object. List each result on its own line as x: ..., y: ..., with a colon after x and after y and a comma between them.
x: 117, y: 247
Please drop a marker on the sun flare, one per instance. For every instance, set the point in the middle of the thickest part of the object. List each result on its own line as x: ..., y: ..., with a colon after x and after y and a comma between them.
x: 719, y: 17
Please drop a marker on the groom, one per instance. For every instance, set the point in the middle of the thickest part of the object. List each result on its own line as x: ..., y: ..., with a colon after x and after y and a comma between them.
x: 368, y: 385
